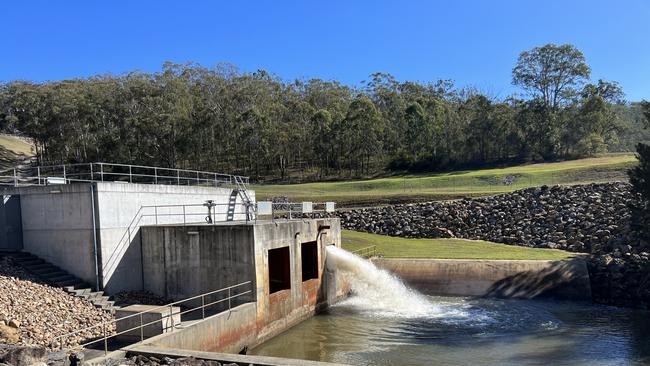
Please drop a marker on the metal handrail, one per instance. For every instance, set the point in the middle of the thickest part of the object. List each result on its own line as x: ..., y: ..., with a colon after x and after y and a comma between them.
x: 164, y: 317
x: 131, y: 229
x: 291, y: 208
x: 102, y: 170
x: 366, y: 252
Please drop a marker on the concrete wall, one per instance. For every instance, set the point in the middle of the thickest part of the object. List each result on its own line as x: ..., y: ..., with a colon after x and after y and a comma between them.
x: 227, y: 332
x: 183, y: 261
x: 121, y: 215
x: 566, y: 279
x: 279, y: 311
x: 11, y: 231
x: 177, y: 264
x: 57, y: 226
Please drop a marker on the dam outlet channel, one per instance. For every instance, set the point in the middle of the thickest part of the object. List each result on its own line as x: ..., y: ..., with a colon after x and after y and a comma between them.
x: 386, y: 322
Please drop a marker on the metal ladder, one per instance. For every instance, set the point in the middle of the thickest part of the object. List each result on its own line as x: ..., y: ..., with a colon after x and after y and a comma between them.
x: 232, y: 204
x: 243, y: 193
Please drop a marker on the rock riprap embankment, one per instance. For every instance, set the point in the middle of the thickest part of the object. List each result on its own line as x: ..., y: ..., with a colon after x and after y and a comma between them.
x: 32, y: 313
x: 590, y: 218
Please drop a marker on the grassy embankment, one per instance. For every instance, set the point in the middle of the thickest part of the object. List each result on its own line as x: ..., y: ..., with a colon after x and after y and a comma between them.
x: 393, y: 247
x: 455, y: 184
x: 12, y: 150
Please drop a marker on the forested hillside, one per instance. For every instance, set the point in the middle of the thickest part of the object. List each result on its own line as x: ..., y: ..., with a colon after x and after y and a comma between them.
x: 220, y: 119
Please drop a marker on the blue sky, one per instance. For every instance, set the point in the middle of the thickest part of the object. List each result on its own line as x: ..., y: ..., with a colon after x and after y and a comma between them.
x: 475, y: 43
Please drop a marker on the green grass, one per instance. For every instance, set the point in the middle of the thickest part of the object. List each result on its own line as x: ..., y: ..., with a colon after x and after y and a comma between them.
x: 455, y: 184
x: 393, y: 247
x: 13, y: 150
x: 16, y: 145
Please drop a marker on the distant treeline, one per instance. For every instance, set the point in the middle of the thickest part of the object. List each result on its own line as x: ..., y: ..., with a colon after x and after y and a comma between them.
x: 189, y: 116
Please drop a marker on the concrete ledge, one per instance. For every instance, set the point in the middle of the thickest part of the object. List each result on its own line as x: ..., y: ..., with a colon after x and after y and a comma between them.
x: 229, y: 331
x: 564, y: 279
x: 224, y: 357
x: 160, y: 319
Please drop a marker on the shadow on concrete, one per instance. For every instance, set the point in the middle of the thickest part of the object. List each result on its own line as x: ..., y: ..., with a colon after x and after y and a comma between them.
x: 567, y: 279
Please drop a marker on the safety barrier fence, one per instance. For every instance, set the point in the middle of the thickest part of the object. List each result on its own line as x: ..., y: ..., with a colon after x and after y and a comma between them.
x: 229, y: 295
x: 367, y: 252
x: 111, y: 172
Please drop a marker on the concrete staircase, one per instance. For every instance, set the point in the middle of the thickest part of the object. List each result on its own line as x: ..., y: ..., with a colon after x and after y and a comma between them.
x: 57, y: 277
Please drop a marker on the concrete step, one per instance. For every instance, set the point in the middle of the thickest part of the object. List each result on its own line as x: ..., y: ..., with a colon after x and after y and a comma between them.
x: 29, y: 261
x: 73, y: 282
x: 79, y: 292
x: 48, y: 272
x: 61, y: 277
x: 18, y: 255
x: 42, y: 266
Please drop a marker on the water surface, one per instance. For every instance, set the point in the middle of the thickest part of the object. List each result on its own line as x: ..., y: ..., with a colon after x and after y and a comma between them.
x: 460, y: 331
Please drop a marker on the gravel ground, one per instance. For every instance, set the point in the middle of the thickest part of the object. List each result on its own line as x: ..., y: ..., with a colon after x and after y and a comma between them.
x: 32, y: 313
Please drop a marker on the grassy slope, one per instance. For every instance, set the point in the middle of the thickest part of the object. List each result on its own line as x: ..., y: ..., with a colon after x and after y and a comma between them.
x: 12, y: 150
x: 445, y: 248
x: 455, y: 184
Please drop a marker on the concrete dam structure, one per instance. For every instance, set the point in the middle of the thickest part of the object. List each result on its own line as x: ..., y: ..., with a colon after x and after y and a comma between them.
x: 237, y: 275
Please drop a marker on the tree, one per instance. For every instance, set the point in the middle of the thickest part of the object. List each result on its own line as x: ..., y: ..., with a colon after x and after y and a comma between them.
x: 362, y: 132
x: 640, y: 180
x: 551, y: 73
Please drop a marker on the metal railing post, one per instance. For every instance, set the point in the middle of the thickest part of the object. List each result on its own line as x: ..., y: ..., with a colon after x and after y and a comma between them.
x: 38, y: 170
x: 155, y: 174
x: 92, y: 177
x: 141, y: 329
x: 155, y: 209
x: 105, y: 339
x: 184, y: 220
x: 171, y: 316
x: 228, y: 298
x: 101, y: 170
x: 64, y: 176
x: 130, y: 175
x: 203, y: 306
x: 178, y: 177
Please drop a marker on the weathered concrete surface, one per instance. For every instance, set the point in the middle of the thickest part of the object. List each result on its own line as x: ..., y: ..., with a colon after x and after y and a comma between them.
x: 158, y: 352
x: 229, y: 332
x: 185, y: 261
x: 281, y: 310
x: 566, y: 279
x: 159, y: 319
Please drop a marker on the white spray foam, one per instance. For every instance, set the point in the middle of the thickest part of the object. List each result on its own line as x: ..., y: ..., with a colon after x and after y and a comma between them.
x: 379, y: 293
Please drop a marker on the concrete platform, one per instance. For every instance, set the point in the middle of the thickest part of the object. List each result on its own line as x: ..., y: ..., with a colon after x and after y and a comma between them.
x: 161, y: 352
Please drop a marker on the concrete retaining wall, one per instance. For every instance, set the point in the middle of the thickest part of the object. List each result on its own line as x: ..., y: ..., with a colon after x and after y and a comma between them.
x: 57, y: 226
x: 183, y: 261
x: 227, y: 332
x: 119, y: 207
x: 179, y: 264
x: 566, y: 279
